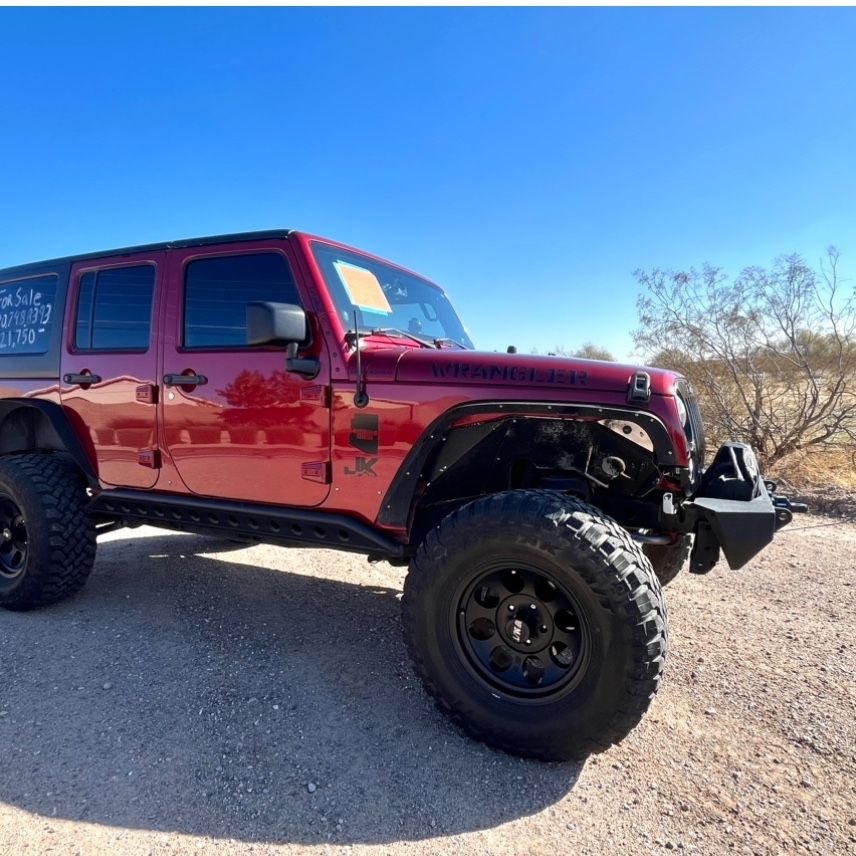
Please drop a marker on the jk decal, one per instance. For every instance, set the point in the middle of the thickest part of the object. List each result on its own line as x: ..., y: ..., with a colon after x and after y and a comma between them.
x: 364, y: 467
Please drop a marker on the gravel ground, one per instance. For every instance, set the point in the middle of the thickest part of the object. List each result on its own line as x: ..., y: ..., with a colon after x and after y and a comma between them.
x: 202, y: 698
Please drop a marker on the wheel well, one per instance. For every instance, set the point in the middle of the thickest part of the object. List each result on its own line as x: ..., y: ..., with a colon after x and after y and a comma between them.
x: 34, y: 426
x: 607, y: 463
x: 25, y: 429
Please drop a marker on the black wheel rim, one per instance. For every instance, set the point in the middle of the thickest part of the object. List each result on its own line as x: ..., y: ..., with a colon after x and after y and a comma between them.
x: 522, y: 632
x: 14, y: 546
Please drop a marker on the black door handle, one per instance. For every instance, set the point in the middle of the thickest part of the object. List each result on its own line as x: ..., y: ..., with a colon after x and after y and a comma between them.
x: 184, y: 380
x: 81, y: 378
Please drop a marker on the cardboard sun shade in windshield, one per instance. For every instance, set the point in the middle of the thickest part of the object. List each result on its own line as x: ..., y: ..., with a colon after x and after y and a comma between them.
x: 363, y: 287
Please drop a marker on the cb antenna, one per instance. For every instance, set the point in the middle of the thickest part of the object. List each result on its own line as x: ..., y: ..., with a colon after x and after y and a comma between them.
x: 361, y: 397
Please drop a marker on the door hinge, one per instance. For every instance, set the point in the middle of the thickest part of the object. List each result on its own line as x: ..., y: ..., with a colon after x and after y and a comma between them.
x: 149, y: 458
x: 317, y: 394
x: 317, y: 471
x: 147, y: 394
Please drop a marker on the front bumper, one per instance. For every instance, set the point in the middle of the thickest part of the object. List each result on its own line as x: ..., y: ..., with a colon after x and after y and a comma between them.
x: 735, y: 510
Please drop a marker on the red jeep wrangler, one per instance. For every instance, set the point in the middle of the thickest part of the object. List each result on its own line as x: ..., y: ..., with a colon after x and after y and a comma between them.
x: 288, y: 389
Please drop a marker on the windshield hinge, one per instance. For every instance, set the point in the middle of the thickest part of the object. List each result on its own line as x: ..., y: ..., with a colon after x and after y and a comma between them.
x: 639, y: 391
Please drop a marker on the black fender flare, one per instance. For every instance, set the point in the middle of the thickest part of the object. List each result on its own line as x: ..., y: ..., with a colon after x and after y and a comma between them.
x: 66, y: 439
x: 396, y: 506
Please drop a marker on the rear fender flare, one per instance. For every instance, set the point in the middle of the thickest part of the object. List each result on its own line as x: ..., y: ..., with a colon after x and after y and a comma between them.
x: 28, y: 425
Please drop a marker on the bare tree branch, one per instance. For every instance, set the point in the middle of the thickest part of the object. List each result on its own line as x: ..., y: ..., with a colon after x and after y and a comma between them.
x: 772, y: 353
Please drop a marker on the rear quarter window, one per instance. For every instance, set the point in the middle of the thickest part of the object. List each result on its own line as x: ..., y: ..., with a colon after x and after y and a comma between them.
x: 27, y: 315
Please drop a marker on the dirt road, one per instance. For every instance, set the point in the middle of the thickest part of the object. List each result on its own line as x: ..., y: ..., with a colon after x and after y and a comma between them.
x: 202, y: 698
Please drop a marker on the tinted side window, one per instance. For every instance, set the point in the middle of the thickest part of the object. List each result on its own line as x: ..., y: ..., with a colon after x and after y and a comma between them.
x: 114, y: 309
x: 217, y: 291
x: 85, y: 305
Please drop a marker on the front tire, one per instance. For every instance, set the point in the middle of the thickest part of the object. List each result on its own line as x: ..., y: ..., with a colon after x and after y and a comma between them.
x: 536, y: 624
x: 47, y: 542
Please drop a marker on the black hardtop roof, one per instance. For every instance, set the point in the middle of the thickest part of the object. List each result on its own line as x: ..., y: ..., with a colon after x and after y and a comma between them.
x: 147, y: 248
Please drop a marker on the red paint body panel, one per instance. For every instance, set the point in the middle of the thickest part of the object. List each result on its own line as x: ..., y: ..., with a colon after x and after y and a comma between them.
x: 246, y: 433
x: 46, y: 390
x: 107, y: 415
x: 405, y: 410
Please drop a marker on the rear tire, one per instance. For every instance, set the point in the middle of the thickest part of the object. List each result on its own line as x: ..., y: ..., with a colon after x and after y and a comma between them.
x: 48, y: 542
x: 589, y: 605
x: 668, y: 560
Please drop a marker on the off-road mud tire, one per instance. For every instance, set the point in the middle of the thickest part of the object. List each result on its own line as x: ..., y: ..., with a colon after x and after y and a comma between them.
x: 50, y: 493
x: 668, y: 560
x: 584, y: 551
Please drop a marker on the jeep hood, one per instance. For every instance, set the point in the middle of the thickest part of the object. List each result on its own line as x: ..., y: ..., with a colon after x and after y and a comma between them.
x: 478, y: 368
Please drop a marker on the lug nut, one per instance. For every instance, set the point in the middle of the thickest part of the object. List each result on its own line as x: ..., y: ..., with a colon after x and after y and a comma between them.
x: 543, y: 628
x: 511, y: 607
x: 528, y: 641
x: 532, y: 606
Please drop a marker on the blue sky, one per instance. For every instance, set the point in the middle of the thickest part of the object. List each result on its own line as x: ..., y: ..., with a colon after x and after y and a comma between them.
x: 527, y: 160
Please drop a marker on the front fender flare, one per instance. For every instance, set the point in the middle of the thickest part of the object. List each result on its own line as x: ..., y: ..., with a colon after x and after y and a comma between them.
x: 397, y: 503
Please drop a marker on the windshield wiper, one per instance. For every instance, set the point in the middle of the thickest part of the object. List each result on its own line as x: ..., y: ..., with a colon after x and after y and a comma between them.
x: 394, y: 331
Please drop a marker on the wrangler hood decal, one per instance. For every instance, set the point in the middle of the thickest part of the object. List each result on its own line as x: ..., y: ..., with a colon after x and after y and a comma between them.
x: 479, y: 367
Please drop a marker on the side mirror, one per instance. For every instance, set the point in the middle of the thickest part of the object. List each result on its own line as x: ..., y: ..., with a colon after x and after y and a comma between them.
x: 282, y: 324
x: 276, y: 324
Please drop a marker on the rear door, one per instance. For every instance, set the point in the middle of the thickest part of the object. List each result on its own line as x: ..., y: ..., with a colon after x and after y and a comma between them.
x: 109, y: 368
x: 236, y: 424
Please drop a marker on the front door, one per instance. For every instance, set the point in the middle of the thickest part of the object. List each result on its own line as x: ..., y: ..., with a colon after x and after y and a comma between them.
x: 109, y: 364
x: 235, y: 423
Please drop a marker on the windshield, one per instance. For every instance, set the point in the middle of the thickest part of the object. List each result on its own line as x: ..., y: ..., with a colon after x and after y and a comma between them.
x: 387, y: 298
